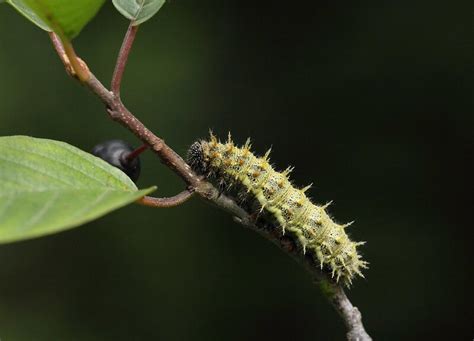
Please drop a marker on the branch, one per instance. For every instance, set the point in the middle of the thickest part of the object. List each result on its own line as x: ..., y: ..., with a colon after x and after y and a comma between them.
x: 350, y: 314
x: 119, y: 113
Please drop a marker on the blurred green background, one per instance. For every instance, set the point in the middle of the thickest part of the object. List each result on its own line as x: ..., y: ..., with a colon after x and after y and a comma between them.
x: 372, y: 101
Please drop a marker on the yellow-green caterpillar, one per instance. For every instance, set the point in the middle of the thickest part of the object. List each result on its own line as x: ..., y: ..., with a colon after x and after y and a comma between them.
x: 310, y: 226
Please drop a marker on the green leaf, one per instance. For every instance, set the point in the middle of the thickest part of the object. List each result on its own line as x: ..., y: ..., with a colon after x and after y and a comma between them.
x: 49, y: 186
x: 28, y: 13
x: 138, y: 11
x: 65, y: 17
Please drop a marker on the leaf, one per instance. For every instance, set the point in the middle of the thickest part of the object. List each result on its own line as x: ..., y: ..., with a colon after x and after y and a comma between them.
x: 28, y: 13
x: 65, y: 17
x: 49, y: 186
x: 138, y: 11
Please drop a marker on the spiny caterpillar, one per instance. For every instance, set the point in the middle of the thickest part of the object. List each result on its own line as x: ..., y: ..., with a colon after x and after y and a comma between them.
x: 308, y: 224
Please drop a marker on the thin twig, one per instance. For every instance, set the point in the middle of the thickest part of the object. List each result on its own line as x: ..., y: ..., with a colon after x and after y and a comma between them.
x: 176, y: 200
x: 123, y: 58
x: 58, y: 46
x: 75, y: 66
x: 80, y: 68
x: 334, y: 292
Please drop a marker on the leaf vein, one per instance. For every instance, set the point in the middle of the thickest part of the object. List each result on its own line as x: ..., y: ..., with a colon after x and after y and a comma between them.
x: 44, y: 209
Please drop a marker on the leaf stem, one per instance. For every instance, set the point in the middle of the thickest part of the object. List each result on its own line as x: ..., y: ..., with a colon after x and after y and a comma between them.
x: 58, y: 46
x: 173, y: 201
x: 79, y: 67
x: 123, y: 58
x: 74, y: 65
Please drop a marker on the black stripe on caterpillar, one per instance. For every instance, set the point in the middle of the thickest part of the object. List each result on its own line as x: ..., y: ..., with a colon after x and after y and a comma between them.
x: 308, y: 224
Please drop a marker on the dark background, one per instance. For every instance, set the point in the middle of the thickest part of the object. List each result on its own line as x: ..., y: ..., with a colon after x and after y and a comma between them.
x: 370, y: 100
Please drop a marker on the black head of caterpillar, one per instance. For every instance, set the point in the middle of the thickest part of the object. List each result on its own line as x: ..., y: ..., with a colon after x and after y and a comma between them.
x: 294, y: 214
x: 201, y: 163
x: 197, y: 159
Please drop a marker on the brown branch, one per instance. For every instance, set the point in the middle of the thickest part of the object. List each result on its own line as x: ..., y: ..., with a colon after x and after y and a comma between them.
x: 176, y: 200
x: 119, y: 113
x: 123, y: 58
x: 350, y: 314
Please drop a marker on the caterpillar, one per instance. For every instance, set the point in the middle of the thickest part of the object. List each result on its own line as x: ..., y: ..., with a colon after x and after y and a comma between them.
x: 273, y: 194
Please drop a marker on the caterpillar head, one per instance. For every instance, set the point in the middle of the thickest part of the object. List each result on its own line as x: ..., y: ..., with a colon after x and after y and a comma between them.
x: 197, y: 159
